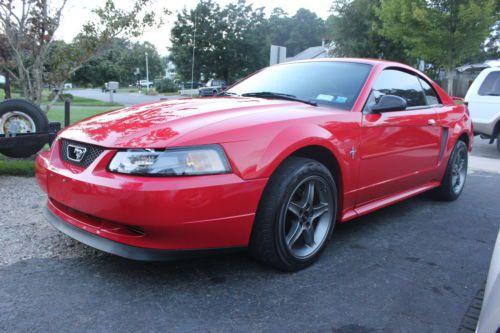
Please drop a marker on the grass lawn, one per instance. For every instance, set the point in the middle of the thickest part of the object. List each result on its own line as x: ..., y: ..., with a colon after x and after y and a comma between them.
x: 76, y: 113
x: 82, y: 101
x: 26, y: 167
x: 77, y: 101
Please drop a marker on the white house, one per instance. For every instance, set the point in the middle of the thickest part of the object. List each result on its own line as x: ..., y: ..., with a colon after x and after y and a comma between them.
x: 278, y: 53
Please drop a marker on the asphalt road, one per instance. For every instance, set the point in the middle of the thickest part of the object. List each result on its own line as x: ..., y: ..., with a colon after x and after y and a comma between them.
x: 125, y: 98
x: 483, y: 148
x: 412, y: 267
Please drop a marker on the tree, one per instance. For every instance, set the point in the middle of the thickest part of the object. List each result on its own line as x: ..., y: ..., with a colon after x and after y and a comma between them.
x: 307, y: 30
x: 230, y: 42
x: 353, y: 28
x: 135, y: 57
x: 297, y: 33
x: 5, y: 64
x: 118, y: 62
x: 443, y: 32
x: 30, y: 25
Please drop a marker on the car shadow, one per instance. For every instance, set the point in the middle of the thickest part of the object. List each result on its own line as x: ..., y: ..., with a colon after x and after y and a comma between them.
x: 214, y: 267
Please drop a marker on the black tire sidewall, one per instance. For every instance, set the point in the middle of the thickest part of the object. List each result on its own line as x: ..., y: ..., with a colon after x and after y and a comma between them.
x: 282, y: 185
x: 446, y: 188
x: 498, y: 141
x: 36, y: 114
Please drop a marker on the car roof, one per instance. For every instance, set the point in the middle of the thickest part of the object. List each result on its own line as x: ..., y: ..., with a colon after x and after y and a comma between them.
x: 373, y: 62
x: 490, y: 69
x: 368, y: 61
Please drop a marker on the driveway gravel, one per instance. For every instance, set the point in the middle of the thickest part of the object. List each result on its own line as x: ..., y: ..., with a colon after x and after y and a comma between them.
x: 25, y: 233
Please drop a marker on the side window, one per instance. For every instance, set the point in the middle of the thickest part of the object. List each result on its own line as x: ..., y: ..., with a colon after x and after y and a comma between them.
x: 490, y: 85
x: 430, y: 93
x: 395, y: 82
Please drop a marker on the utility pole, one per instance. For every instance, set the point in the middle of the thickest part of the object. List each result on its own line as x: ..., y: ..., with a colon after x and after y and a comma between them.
x: 194, y: 47
x: 147, y: 73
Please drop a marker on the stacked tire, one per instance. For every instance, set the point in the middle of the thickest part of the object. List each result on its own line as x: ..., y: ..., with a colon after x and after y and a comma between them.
x: 22, y: 111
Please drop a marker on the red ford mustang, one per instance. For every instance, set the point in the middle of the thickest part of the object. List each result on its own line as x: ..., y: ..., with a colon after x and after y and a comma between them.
x: 270, y: 165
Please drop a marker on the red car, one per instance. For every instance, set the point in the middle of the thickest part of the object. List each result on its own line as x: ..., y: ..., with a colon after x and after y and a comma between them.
x: 270, y: 166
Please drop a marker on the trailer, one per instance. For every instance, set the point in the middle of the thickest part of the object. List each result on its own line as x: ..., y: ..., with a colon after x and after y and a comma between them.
x: 25, y: 128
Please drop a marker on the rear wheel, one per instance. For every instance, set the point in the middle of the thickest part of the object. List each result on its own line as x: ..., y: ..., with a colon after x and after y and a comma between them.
x: 498, y: 141
x: 18, y: 116
x: 456, y: 173
x: 296, y: 215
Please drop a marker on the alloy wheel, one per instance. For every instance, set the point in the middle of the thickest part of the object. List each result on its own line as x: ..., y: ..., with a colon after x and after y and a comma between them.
x: 459, y: 171
x: 308, y: 217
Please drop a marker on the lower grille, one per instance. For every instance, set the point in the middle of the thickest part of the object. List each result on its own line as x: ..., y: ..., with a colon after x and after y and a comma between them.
x: 91, y: 152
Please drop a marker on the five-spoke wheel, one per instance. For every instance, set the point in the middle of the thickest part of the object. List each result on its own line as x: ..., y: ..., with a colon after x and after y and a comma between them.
x: 308, y: 216
x: 296, y: 215
x: 456, y: 172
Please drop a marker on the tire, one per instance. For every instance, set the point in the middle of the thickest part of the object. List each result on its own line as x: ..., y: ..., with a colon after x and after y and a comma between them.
x: 498, y: 141
x: 32, y: 118
x: 290, y: 231
x: 450, y: 189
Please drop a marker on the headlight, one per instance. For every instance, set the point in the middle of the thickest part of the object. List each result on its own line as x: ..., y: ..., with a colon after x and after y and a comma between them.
x: 192, y: 161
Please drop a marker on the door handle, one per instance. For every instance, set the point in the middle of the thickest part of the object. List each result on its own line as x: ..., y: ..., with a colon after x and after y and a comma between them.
x: 431, y: 122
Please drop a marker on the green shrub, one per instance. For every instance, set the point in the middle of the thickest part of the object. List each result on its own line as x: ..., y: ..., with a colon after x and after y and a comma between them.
x: 62, y: 97
x: 166, y: 85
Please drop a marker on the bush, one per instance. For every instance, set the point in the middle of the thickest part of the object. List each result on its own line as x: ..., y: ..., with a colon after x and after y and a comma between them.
x: 166, y: 85
x: 62, y: 97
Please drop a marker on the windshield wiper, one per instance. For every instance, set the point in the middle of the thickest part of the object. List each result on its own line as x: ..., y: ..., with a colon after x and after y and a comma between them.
x: 227, y: 93
x: 493, y: 94
x: 287, y: 97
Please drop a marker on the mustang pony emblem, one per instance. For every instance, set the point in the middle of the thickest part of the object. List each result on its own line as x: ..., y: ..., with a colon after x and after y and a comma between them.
x: 76, y: 153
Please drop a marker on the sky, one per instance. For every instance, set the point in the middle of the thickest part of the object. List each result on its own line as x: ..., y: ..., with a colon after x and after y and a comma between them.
x: 77, y: 12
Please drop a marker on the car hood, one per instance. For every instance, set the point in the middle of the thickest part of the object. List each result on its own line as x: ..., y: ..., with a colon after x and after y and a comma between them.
x: 158, y: 124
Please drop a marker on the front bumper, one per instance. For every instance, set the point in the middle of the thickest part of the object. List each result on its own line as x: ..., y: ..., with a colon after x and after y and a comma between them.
x: 177, y: 213
x: 123, y: 250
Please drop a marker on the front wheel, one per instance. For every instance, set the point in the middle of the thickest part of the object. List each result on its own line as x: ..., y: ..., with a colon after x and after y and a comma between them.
x: 296, y: 215
x: 453, y: 181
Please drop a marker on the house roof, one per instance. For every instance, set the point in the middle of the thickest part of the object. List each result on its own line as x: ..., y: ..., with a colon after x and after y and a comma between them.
x: 479, y: 67
x: 314, y: 52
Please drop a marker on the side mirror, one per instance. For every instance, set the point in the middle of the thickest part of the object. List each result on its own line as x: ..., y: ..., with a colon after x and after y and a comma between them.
x: 389, y: 103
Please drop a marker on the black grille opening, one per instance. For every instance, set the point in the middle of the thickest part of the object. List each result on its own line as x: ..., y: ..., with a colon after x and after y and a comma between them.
x: 91, y: 152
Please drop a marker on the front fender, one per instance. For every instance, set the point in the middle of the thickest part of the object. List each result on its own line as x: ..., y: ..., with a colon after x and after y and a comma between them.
x: 259, y: 158
x: 289, y: 141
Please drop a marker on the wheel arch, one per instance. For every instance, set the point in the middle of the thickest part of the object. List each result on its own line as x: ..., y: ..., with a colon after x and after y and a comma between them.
x: 496, y: 131
x: 465, y: 138
x: 319, y: 150
x: 325, y: 156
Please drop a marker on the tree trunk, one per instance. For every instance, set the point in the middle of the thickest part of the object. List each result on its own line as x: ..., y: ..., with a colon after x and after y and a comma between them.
x: 450, y: 76
x: 6, y: 88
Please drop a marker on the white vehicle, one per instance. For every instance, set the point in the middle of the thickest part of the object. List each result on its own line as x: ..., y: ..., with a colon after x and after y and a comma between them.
x: 111, y: 86
x: 489, y: 319
x: 483, y: 97
x: 145, y: 83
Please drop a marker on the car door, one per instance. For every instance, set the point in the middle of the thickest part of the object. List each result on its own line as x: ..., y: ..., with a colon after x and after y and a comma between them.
x: 399, y: 150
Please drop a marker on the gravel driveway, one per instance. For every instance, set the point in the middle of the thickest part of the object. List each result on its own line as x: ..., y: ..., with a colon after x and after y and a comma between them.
x: 25, y: 233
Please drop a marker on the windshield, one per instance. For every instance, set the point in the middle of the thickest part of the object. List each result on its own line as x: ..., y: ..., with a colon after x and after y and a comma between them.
x: 335, y: 84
